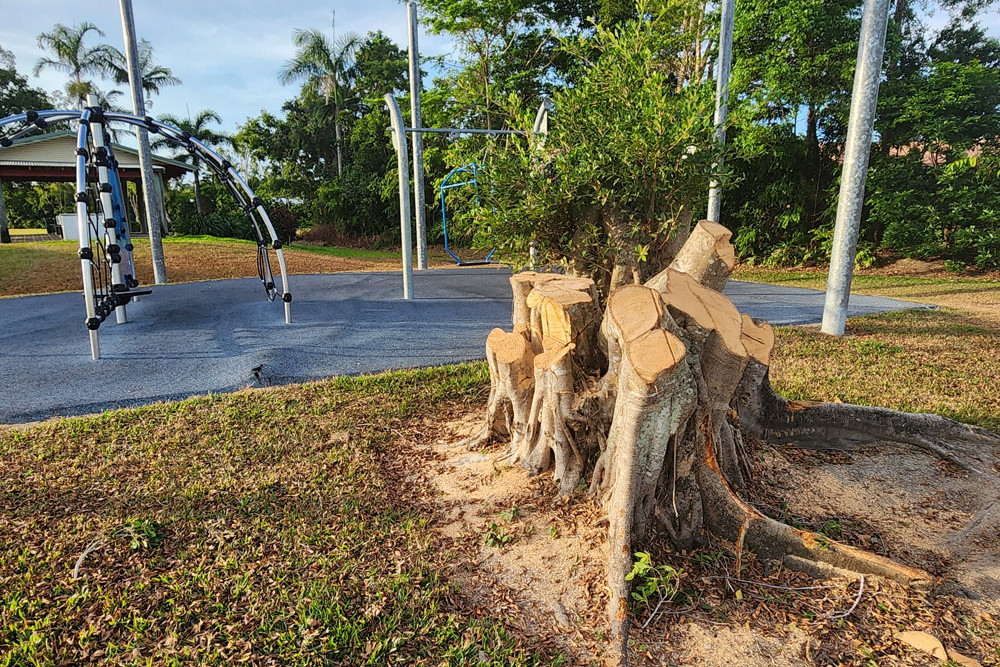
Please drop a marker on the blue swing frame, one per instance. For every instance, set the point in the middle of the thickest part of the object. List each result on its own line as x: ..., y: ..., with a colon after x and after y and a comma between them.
x: 473, y: 169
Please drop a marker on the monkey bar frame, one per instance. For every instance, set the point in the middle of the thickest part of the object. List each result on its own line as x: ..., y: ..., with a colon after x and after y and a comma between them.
x: 398, y: 132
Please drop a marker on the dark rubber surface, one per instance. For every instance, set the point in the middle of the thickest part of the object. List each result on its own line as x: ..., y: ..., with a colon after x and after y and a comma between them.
x: 196, y: 338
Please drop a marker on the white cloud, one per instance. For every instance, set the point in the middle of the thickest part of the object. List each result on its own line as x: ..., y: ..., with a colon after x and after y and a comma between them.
x: 227, y: 53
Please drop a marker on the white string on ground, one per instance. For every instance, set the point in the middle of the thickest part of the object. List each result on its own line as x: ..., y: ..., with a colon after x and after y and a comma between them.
x: 93, y: 546
x: 857, y: 601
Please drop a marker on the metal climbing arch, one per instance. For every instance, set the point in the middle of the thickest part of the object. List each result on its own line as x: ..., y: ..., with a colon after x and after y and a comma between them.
x: 106, y: 263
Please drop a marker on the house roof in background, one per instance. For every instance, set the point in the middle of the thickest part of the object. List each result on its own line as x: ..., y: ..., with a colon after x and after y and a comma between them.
x: 50, y: 155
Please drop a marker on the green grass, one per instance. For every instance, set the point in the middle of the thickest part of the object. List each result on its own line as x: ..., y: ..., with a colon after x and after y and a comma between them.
x: 870, y: 283
x: 275, y: 526
x: 942, y: 361
x: 916, y: 360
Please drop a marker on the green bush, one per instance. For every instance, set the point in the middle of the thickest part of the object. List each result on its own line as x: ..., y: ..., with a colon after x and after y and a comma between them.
x: 627, y: 163
x: 285, y: 222
x: 952, y: 212
x: 982, y: 245
x: 235, y: 226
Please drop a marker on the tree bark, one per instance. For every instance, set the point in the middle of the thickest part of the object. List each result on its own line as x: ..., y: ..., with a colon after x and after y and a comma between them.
x: 336, y: 135
x: 4, y: 231
x: 654, y: 403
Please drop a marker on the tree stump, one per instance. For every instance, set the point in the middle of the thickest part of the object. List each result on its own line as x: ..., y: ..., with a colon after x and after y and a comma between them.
x: 652, y: 399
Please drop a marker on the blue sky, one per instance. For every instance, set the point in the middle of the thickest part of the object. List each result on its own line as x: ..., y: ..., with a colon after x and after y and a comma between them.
x: 226, y: 53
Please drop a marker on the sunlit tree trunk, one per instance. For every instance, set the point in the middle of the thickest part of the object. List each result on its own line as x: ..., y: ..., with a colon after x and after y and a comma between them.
x: 651, y: 397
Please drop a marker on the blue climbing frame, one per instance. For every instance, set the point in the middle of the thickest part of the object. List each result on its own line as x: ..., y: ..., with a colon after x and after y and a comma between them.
x: 473, y: 170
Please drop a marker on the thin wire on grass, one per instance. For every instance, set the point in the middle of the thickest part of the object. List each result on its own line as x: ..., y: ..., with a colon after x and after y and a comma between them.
x: 857, y: 601
x: 93, y: 546
x: 775, y: 586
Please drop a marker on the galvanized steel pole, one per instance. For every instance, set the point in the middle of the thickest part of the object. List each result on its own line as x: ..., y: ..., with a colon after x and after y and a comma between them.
x: 418, y: 140
x: 864, y: 97
x: 145, y: 159
x: 399, y: 143
x: 723, y: 67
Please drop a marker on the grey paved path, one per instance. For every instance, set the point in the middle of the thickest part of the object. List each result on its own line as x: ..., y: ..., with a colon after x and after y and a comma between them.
x: 197, y: 338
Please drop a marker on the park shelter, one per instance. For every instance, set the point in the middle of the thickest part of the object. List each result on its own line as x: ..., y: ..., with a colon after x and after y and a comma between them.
x: 51, y: 157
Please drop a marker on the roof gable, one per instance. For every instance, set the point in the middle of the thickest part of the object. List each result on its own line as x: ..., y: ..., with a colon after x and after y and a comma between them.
x: 58, y: 149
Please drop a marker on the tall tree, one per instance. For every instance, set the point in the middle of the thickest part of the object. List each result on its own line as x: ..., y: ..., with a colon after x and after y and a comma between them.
x: 15, y: 93
x: 379, y: 67
x: 295, y: 155
x: 795, y: 56
x: 612, y: 187
x: 154, y: 77
x: 15, y: 96
x: 324, y: 63
x: 71, y: 55
x: 200, y: 130
x: 504, y: 47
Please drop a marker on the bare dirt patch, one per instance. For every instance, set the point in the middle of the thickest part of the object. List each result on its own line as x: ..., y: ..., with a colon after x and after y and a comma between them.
x: 906, y: 504
x: 540, y: 562
x: 537, y: 558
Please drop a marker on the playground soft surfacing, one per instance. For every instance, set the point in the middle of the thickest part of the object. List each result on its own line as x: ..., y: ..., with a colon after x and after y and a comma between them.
x: 220, y: 336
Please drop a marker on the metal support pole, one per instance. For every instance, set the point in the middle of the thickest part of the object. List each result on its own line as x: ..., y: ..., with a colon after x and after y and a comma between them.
x: 418, y: 140
x: 864, y: 97
x: 107, y: 209
x: 460, y: 130
x: 724, y: 65
x: 541, y: 124
x: 145, y: 159
x: 83, y: 231
x: 402, y: 159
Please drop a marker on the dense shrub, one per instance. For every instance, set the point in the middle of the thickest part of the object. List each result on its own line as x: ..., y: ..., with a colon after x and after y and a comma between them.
x: 935, y: 211
x: 285, y: 222
x: 226, y: 225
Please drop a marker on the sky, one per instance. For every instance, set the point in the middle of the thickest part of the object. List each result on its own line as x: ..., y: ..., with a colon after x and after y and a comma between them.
x: 226, y: 53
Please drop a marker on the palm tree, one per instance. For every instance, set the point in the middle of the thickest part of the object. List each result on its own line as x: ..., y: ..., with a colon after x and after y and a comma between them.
x: 325, y: 64
x: 198, y: 129
x: 153, y: 77
x: 72, y: 56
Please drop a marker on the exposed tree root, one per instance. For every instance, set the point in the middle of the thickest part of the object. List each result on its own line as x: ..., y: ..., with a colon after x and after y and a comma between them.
x: 730, y: 517
x: 768, y: 416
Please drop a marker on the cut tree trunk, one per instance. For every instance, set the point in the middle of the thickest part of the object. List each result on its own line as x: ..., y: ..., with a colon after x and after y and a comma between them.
x: 652, y: 400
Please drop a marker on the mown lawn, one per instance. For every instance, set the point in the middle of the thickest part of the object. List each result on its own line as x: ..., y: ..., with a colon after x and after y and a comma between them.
x: 53, y: 266
x: 280, y: 526
x: 942, y: 360
x: 270, y: 526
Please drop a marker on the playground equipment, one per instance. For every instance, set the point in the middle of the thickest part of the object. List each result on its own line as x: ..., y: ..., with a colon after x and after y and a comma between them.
x: 106, y: 262
x: 473, y: 169
x: 399, y: 131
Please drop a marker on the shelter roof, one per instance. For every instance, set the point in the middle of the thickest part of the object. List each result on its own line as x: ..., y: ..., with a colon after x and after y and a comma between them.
x: 52, y: 157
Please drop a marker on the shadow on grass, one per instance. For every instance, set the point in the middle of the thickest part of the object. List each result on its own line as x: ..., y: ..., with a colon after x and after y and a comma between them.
x: 940, y: 322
